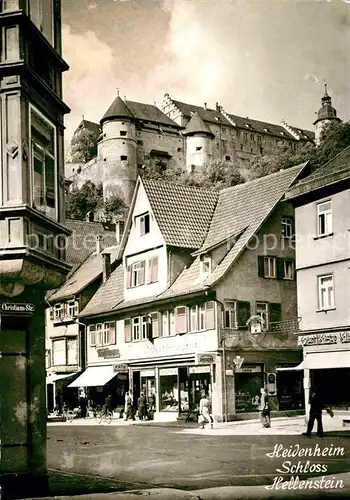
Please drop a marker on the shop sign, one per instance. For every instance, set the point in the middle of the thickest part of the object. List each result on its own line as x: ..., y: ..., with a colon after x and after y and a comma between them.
x: 121, y: 368
x: 249, y: 369
x: 199, y: 369
x: 122, y: 376
x: 147, y: 373
x: 167, y: 371
x: 324, y: 339
x: 108, y: 353
x: 207, y: 358
x: 17, y: 308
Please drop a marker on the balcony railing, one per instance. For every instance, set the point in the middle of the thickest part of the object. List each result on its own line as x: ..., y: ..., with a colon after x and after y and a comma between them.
x: 290, y: 325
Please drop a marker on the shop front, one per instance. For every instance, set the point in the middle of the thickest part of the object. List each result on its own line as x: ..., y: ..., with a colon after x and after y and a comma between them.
x: 249, y: 379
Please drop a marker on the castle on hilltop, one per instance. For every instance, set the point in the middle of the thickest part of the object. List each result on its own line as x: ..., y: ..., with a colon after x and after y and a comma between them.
x: 132, y: 135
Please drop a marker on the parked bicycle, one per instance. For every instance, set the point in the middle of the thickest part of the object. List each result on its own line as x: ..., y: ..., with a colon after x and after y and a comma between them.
x: 103, y: 415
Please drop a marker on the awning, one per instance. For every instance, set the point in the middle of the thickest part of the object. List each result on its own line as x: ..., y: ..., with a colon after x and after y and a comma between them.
x: 94, y: 376
x: 318, y: 360
x: 57, y: 376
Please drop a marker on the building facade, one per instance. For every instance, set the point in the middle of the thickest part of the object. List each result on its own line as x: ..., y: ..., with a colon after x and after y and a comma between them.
x: 322, y: 260
x: 31, y: 232
x: 195, y: 272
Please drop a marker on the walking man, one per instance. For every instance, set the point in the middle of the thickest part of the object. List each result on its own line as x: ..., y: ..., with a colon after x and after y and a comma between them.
x: 316, y: 407
x: 264, y: 408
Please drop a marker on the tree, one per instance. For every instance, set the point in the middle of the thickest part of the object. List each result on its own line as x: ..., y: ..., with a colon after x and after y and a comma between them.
x: 84, y: 146
x: 334, y: 138
x: 86, y: 199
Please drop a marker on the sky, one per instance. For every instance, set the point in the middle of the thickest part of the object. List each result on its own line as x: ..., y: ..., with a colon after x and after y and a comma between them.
x: 267, y: 59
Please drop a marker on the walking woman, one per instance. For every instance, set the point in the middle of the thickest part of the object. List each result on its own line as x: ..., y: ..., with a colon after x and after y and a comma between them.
x: 204, y: 411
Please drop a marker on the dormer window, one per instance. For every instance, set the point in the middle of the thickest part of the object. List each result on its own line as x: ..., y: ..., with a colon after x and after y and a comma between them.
x: 72, y: 308
x: 144, y: 224
x: 206, y: 265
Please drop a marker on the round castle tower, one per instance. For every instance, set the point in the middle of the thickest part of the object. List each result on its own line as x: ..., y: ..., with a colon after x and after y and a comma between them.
x: 117, y: 150
x: 198, y: 143
x: 325, y: 115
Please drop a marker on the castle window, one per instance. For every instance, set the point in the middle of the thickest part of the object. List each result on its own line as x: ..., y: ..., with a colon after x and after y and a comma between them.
x: 227, y: 158
x: 123, y: 133
x: 140, y: 143
x: 123, y: 158
x: 199, y: 148
x: 179, y: 150
x: 259, y: 138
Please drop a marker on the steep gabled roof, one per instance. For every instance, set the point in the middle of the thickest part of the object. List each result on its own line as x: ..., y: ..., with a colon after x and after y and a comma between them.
x: 335, y: 170
x: 93, y: 127
x: 207, y: 114
x: 197, y: 126
x: 183, y: 213
x: 149, y: 112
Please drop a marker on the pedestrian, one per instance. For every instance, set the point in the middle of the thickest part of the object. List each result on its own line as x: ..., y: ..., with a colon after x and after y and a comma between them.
x: 264, y: 408
x: 316, y: 407
x: 204, y: 411
x: 141, y: 406
x: 108, y: 404
x: 128, y: 406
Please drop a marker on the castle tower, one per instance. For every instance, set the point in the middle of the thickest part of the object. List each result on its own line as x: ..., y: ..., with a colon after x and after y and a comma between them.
x: 198, y: 143
x: 117, y: 150
x: 325, y: 115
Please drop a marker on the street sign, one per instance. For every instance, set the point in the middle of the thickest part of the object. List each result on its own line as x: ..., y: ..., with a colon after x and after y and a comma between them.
x: 16, y: 308
x: 121, y: 367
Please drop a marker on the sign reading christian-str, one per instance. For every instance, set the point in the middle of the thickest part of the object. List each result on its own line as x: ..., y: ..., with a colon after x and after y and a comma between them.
x: 18, y: 308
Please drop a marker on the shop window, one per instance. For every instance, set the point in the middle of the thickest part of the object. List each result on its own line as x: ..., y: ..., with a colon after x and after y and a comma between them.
x: 287, y: 229
x: 230, y: 314
x: 153, y: 270
x: 43, y: 164
x: 325, y: 292
x: 136, y: 274
x: 92, y: 335
x: 324, y: 218
x: 168, y: 389
x: 181, y: 319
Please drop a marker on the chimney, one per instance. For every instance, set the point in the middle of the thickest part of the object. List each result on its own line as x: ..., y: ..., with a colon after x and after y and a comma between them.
x: 217, y: 107
x: 119, y: 231
x: 106, y: 266
x: 99, y: 238
x: 205, y: 105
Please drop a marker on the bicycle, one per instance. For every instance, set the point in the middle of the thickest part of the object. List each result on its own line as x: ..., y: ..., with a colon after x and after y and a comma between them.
x: 103, y: 415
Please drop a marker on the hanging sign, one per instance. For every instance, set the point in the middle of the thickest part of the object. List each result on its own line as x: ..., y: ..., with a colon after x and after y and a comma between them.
x: 18, y: 308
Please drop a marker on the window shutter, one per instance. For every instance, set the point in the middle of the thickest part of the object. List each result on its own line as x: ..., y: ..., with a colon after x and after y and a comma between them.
x: 52, y: 315
x: 142, y: 272
x: 149, y: 271
x: 261, y: 266
x: 293, y: 225
x: 209, y: 316
x: 181, y: 319
x: 128, y: 277
x: 275, y: 312
x: 243, y: 314
x: 155, y: 325
x: 112, y: 333
x: 127, y: 330
x: 280, y: 269
x: 154, y: 275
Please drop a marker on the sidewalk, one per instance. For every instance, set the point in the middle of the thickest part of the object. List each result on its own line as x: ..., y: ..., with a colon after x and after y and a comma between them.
x: 279, y: 425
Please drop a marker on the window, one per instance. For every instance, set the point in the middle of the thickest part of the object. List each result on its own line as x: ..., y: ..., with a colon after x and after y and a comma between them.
x: 41, y: 14
x: 227, y: 157
x: 206, y: 265
x: 140, y: 143
x: 57, y: 312
x: 259, y: 138
x: 123, y: 158
x: 59, y: 352
x: 109, y: 333
x: 123, y: 133
x: 288, y: 269
x: 201, y: 317
x: 262, y: 311
x: 72, y: 308
x: 172, y: 326
x: 92, y: 335
x: 287, y: 228
x: 165, y: 324
x: 43, y: 164
x: 136, y: 329
x: 193, y: 319
x: 144, y: 224
x: 99, y: 334
x: 181, y: 319
x: 47, y: 359
x: 153, y: 270
x: 324, y: 218
x: 72, y: 352
x: 230, y: 317
x: 209, y: 315
x: 199, y: 148
x: 154, y: 317
x: 144, y: 327
x: 245, y: 136
x: 325, y: 292
x: 270, y: 267
x: 136, y: 274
